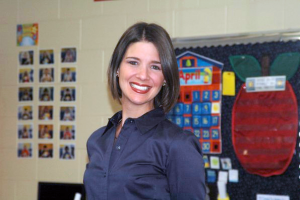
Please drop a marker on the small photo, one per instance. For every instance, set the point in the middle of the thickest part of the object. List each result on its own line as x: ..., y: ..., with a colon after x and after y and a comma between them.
x: 46, y: 75
x: 25, y: 131
x: 46, y: 93
x: 46, y: 57
x: 67, y: 151
x: 226, y: 163
x: 24, y: 150
x: 45, y: 131
x: 45, y: 112
x: 67, y: 113
x: 25, y: 93
x: 25, y: 113
x: 45, y: 150
x: 67, y: 132
x: 26, y: 75
x: 26, y: 57
x: 68, y: 94
x: 68, y: 74
x: 68, y: 55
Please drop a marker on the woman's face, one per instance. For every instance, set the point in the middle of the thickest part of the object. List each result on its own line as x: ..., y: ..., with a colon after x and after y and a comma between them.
x: 140, y: 75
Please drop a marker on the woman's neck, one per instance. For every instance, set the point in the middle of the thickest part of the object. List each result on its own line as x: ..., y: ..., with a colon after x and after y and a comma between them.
x: 134, y: 111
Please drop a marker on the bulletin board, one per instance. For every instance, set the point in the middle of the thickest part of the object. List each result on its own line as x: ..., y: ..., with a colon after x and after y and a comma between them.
x: 249, y: 185
x: 198, y: 106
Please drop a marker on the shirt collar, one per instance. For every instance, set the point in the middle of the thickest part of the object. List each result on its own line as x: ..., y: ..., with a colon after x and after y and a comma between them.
x: 144, y: 123
x: 150, y: 119
x: 113, y: 121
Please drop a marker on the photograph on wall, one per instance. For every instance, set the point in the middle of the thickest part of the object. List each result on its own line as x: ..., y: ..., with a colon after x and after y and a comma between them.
x: 45, y: 112
x: 26, y: 75
x: 25, y: 112
x: 46, y: 57
x: 27, y: 34
x: 25, y: 93
x: 67, y: 113
x: 25, y: 150
x: 67, y: 151
x: 226, y: 163
x: 68, y: 74
x: 45, y: 131
x: 46, y: 75
x: 68, y: 55
x: 67, y: 132
x: 46, y: 93
x: 68, y: 94
x: 25, y: 131
x: 26, y: 57
x: 45, y: 150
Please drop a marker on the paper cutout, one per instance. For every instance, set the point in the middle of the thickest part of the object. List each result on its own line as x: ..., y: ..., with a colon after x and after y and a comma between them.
x: 206, y: 162
x: 271, y: 197
x: 226, y: 163
x: 228, y: 83
x: 211, y: 176
x: 223, y: 176
x: 233, y: 175
x: 214, y: 162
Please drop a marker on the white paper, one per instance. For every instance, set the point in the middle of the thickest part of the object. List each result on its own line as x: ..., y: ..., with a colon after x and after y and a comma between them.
x: 271, y: 197
x: 265, y: 83
x: 223, y: 176
x: 222, y: 189
x: 77, y: 196
x: 233, y: 175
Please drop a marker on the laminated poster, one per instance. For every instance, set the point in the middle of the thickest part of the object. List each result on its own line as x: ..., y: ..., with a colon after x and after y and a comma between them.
x: 27, y: 34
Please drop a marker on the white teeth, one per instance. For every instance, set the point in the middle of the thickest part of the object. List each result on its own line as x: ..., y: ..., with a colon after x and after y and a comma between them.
x: 144, y: 88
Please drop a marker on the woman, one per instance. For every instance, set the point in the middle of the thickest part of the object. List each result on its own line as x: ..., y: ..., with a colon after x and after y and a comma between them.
x: 140, y: 154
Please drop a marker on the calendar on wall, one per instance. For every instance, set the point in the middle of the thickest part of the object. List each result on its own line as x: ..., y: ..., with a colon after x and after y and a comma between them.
x: 199, y: 105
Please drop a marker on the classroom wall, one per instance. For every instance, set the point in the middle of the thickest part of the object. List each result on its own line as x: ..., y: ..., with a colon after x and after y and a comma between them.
x: 94, y: 28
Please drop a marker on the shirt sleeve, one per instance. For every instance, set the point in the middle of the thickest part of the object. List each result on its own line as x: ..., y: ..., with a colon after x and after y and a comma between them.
x: 185, y: 169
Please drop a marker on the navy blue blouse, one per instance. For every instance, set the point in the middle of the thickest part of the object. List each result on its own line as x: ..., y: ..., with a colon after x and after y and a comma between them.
x: 151, y: 159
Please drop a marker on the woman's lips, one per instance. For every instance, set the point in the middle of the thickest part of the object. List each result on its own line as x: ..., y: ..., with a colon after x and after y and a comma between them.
x: 140, y: 88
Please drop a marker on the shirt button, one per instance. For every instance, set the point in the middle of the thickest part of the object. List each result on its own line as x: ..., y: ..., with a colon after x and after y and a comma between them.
x: 118, y: 147
x: 131, y: 121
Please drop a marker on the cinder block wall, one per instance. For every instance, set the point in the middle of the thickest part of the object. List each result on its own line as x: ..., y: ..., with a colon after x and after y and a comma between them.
x: 94, y: 28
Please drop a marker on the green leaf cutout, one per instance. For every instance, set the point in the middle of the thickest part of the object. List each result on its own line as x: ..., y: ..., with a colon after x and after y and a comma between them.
x: 285, y: 64
x: 245, y: 66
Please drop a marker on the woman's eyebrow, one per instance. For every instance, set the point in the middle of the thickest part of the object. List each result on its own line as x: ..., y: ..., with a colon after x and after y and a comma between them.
x: 156, y: 62
x: 136, y: 58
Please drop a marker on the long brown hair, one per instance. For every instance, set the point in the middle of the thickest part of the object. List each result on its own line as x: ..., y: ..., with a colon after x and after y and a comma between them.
x: 155, y: 34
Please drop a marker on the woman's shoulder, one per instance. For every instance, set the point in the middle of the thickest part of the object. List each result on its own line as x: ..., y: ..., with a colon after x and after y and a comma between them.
x: 173, y: 131
x: 96, y: 134
x: 178, y: 138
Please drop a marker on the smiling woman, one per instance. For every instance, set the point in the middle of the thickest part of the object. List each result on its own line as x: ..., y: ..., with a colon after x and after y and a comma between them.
x: 140, y: 154
x: 140, y: 77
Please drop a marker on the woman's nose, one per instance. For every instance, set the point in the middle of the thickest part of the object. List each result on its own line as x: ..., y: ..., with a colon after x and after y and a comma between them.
x: 143, y: 73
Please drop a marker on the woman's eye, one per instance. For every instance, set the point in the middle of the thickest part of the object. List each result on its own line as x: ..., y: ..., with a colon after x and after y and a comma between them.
x: 132, y: 62
x: 155, y: 67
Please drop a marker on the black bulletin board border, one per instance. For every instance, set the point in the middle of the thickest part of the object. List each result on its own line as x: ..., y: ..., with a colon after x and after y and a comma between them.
x: 249, y: 185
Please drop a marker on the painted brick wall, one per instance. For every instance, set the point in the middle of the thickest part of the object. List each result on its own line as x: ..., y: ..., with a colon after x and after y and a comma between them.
x: 94, y: 28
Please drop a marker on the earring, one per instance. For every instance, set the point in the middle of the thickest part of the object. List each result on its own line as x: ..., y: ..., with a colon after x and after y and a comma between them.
x: 117, y: 75
x: 164, y: 84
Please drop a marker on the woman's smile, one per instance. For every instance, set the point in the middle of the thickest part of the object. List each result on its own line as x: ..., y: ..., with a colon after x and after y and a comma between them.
x: 140, y: 76
x: 140, y: 88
